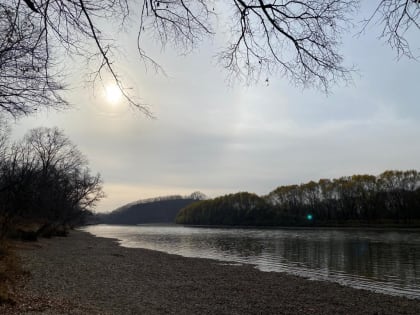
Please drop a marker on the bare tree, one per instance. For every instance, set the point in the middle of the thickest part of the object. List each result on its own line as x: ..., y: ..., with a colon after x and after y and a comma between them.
x: 53, y: 150
x: 45, y: 176
x: 298, y: 39
x: 397, y: 17
x: 26, y: 78
x: 63, y: 169
x: 4, y: 138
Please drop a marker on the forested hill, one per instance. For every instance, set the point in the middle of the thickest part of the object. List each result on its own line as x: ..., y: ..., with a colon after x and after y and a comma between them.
x: 154, y: 210
x: 391, y: 198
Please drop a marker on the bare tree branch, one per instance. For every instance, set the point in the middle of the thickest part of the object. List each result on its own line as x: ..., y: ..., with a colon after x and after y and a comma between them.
x: 297, y: 39
x: 25, y: 84
x: 397, y: 17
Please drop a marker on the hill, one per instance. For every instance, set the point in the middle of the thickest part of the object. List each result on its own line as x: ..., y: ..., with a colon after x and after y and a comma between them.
x: 153, y: 210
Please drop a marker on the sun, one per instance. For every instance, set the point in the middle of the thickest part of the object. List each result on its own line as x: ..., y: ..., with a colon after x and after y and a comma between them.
x: 113, y: 94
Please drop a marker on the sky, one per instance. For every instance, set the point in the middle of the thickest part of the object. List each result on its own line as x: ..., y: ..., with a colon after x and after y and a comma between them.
x: 218, y: 138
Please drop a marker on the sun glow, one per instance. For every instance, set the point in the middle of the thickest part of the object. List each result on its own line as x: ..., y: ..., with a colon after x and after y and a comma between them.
x: 113, y: 94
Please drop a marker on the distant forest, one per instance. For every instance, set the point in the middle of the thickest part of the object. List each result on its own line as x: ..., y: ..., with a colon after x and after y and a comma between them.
x: 152, y: 210
x: 392, y: 197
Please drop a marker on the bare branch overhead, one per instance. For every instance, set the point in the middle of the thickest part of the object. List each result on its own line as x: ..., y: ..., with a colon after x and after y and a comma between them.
x: 299, y: 40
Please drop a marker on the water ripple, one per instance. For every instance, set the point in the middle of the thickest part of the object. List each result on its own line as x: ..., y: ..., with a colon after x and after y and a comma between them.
x: 378, y: 260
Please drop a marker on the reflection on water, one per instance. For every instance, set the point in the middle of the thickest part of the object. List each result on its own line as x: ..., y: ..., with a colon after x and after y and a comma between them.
x: 379, y: 260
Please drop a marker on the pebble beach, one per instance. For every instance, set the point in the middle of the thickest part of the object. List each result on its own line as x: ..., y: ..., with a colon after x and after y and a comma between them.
x: 83, y: 274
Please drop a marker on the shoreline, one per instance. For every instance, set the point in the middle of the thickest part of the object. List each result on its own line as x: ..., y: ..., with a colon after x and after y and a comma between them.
x: 373, y: 227
x: 414, y: 228
x: 84, y: 274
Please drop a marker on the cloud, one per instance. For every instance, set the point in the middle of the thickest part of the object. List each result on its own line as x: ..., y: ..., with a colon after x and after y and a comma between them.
x: 217, y: 138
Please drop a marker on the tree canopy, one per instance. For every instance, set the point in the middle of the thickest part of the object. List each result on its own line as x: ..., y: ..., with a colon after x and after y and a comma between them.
x: 299, y: 40
x: 392, y: 197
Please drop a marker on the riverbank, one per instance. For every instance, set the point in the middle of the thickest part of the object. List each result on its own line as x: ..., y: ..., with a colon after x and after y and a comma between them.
x: 83, y: 274
x: 367, y: 227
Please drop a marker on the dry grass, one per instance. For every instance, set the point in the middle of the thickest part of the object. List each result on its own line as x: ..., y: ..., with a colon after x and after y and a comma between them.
x: 10, y: 270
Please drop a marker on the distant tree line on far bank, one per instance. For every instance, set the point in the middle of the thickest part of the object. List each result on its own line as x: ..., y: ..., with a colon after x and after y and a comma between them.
x: 45, y: 182
x: 161, y: 209
x: 392, y: 197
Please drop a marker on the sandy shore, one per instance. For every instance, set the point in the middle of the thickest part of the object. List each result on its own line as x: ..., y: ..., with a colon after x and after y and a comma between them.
x: 83, y: 274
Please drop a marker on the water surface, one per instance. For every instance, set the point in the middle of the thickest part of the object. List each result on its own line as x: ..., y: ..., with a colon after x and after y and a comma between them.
x: 379, y: 260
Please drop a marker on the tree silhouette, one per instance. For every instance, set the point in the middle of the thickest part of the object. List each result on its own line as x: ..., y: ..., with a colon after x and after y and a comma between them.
x: 26, y: 78
x: 45, y: 177
x: 298, y: 39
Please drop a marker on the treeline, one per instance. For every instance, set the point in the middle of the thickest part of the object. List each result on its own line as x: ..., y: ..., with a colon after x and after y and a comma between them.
x: 153, y: 210
x: 44, y: 181
x: 197, y: 195
x: 235, y: 209
x: 393, y: 197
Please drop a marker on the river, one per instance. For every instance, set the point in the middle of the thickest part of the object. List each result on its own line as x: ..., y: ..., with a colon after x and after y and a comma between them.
x: 386, y: 261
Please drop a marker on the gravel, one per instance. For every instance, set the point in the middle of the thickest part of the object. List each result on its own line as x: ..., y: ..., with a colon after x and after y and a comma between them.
x: 83, y: 274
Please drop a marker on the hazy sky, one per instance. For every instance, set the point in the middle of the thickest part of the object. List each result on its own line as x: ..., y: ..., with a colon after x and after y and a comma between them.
x: 219, y: 138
